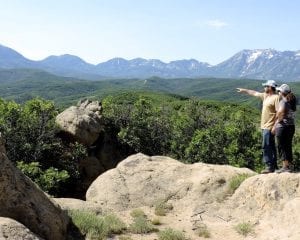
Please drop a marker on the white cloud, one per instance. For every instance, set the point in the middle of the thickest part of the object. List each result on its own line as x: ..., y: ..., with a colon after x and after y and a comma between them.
x: 216, y: 23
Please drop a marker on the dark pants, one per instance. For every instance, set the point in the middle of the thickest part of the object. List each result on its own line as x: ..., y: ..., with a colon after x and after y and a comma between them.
x: 284, y: 136
x: 269, y: 149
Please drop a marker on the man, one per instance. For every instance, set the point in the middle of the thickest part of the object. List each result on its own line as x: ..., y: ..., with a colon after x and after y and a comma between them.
x: 270, y: 105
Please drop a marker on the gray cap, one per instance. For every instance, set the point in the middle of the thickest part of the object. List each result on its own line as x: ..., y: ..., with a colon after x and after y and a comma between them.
x: 284, y: 88
x: 270, y: 83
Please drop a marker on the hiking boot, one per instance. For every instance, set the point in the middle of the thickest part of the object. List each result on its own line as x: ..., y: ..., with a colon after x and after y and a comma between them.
x: 283, y: 170
x: 267, y: 170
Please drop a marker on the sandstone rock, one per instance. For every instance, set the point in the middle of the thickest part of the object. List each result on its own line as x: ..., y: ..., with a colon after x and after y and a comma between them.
x: 141, y: 180
x: 266, y: 192
x: 13, y: 230
x: 83, y: 122
x: 200, y: 194
x: 22, y: 200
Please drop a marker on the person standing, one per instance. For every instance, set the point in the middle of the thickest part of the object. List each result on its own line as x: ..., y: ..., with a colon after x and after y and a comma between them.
x: 268, y: 116
x: 284, y: 128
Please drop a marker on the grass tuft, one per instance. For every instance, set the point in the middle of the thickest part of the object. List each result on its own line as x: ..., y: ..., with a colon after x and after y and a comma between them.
x: 137, y: 213
x: 89, y: 224
x: 142, y: 225
x: 244, y: 228
x: 171, y: 234
x: 97, y: 227
x: 113, y: 224
x: 236, y: 181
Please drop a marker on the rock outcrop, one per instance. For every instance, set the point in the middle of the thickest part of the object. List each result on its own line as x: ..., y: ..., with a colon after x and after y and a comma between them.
x: 23, y: 201
x: 83, y: 122
x: 141, y: 180
x: 201, y: 193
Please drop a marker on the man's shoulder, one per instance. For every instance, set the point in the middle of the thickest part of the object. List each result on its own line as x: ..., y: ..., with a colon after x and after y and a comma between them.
x: 260, y: 95
x: 274, y: 97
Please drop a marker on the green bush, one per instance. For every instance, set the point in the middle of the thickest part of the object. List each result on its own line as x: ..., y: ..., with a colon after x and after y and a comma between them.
x: 170, y: 234
x: 49, y: 179
x: 97, y: 227
x: 89, y: 224
x: 113, y: 224
x: 141, y: 225
x: 137, y: 213
x: 189, y: 130
x: 244, y: 228
x: 31, y: 137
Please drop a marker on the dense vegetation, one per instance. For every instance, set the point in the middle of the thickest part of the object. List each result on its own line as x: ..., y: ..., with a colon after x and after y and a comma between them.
x: 33, y: 145
x: 188, y: 129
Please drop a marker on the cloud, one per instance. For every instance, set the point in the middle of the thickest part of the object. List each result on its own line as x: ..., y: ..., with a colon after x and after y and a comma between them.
x: 216, y: 23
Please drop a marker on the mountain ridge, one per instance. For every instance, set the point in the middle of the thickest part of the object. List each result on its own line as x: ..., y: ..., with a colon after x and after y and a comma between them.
x: 255, y: 64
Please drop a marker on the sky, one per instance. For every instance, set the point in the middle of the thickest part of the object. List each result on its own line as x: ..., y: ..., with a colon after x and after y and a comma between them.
x: 97, y: 30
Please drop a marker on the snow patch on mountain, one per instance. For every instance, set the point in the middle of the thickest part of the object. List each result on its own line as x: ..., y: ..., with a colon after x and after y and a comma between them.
x: 254, y: 56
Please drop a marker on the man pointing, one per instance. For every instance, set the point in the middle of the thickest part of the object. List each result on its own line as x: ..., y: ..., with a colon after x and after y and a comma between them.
x: 270, y: 105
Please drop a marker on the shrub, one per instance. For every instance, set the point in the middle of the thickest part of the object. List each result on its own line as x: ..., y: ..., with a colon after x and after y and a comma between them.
x: 31, y: 137
x: 244, y: 228
x: 113, y: 224
x: 137, y: 213
x: 96, y: 227
x: 141, y: 225
x: 89, y: 224
x: 170, y: 234
x: 48, y: 180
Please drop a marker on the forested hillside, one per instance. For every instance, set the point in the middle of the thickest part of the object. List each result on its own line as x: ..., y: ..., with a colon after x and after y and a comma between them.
x: 22, y: 85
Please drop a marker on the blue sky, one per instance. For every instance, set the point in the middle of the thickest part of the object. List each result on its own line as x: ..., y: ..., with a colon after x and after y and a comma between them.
x: 98, y: 30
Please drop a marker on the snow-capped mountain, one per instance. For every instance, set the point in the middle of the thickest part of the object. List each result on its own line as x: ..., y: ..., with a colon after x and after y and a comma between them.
x: 262, y: 64
x: 256, y: 64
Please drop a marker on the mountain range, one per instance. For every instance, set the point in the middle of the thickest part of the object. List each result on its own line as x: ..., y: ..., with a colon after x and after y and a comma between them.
x: 254, y: 64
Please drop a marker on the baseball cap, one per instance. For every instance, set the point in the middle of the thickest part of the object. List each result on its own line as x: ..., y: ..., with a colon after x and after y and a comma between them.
x: 270, y: 83
x: 284, y: 88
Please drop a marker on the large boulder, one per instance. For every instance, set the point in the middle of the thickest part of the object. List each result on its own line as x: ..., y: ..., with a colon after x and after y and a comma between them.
x: 23, y: 201
x: 83, y: 122
x: 203, y: 195
x: 141, y: 180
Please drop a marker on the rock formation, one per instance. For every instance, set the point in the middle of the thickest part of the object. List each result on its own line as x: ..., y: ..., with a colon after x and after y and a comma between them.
x: 141, y: 180
x: 23, y: 201
x: 201, y: 193
x: 83, y: 121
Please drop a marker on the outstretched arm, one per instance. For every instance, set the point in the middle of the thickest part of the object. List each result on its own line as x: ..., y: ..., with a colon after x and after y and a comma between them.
x: 249, y: 92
